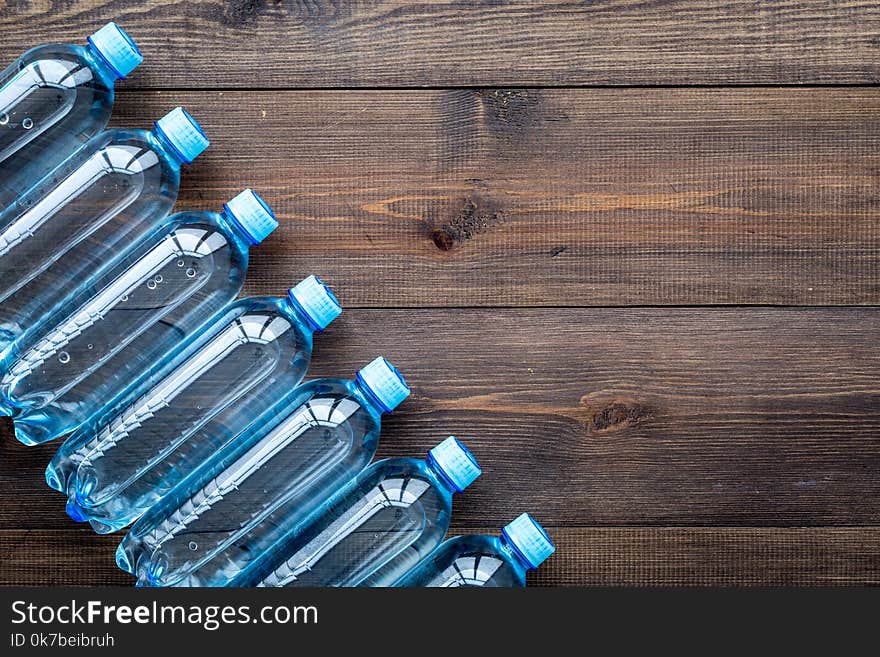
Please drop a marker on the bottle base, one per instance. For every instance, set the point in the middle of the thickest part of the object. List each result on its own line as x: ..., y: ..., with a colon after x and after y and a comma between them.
x: 35, y: 427
x: 122, y: 559
x: 29, y: 433
x: 101, y: 527
x: 75, y: 512
x: 25, y: 437
x: 79, y: 514
x: 53, y: 480
x: 7, y: 407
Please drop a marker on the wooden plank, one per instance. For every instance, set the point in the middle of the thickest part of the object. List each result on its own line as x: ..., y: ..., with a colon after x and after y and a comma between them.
x: 552, y: 198
x: 585, y: 556
x: 611, y: 417
x: 711, y: 557
x: 282, y: 43
x: 76, y: 557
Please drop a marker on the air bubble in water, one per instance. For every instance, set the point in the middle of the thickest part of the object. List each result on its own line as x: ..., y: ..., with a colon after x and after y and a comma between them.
x: 27, y: 123
x: 63, y: 357
x: 191, y: 273
x: 90, y: 346
x: 4, y: 118
x: 193, y: 545
x: 151, y: 284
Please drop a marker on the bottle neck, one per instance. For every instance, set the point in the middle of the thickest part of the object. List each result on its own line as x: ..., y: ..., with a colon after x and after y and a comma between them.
x: 514, y: 554
x: 100, y: 64
x: 232, y: 224
x: 374, y: 402
x: 442, y: 477
x: 169, y: 149
x: 300, y: 315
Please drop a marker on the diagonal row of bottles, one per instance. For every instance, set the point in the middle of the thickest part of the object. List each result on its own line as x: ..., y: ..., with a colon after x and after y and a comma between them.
x: 187, y: 409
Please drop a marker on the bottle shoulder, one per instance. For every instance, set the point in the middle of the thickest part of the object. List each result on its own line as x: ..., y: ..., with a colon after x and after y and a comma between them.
x: 208, y: 231
x: 267, y: 319
x: 193, y: 235
x: 68, y: 65
x: 132, y: 149
x: 341, y: 398
x: 248, y: 304
x: 138, y: 137
x: 471, y: 543
x: 394, y: 467
x: 338, y: 388
x: 471, y: 560
x: 403, y: 472
x: 125, y: 151
x: 50, y: 52
x: 117, y: 153
x: 262, y: 305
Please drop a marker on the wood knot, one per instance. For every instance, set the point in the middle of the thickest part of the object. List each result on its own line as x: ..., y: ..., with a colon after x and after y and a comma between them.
x: 474, y: 217
x: 240, y: 13
x: 511, y: 111
x: 442, y: 239
x: 610, y: 415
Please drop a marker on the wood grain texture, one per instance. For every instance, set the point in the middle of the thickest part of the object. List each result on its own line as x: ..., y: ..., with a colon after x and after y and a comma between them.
x: 551, y: 197
x: 586, y: 556
x: 612, y: 417
x: 662, y: 446
x: 323, y: 43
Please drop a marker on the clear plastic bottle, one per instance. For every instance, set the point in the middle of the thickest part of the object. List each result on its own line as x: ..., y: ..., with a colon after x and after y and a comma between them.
x: 376, y: 529
x: 484, y: 560
x: 117, y: 187
x: 53, y: 99
x: 152, y: 436
x: 264, y: 483
x: 167, y: 285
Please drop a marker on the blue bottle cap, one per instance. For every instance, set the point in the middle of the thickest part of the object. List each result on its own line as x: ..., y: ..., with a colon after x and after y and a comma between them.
x: 385, y: 382
x: 116, y: 48
x: 529, y: 539
x: 253, y: 215
x: 75, y: 512
x: 316, y: 300
x: 456, y: 462
x: 184, y: 133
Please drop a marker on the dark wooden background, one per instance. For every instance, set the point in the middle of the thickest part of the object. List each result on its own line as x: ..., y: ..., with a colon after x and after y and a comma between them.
x: 628, y: 251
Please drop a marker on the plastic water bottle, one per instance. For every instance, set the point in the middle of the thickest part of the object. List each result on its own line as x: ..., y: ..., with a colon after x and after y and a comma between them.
x: 54, y: 98
x: 376, y: 529
x: 62, y: 370
x: 485, y: 560
x: 117, y: 187
x: 266, y: 482
x: 152, y: 436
